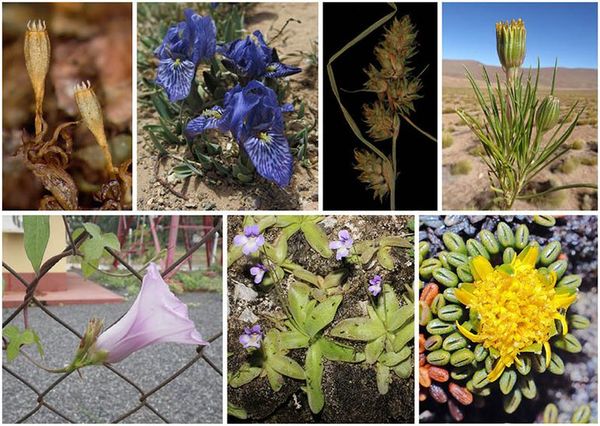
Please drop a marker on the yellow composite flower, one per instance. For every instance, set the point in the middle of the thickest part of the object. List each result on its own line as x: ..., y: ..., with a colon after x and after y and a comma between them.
x: 517, y: 306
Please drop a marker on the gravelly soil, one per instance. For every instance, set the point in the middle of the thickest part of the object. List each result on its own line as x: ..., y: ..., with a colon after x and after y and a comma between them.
x: 101, y: 396
x: 579, y: 238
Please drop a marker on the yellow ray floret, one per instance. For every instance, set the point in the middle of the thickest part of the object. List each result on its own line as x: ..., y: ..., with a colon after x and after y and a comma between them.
x: 517, y: 306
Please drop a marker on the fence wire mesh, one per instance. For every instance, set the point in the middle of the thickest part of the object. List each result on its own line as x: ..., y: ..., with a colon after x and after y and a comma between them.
x: 72, y: 249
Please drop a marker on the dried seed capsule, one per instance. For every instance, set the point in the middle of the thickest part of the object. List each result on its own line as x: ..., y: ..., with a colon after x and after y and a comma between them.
x: 438, y: 394
x: 461, y: 394
x: 437, y: 326
x: 525, y: 367
x: 550, y: 253
x: 578, y: 322
x: 457, y: 259
x: 464, y: 273
x: 568, y: 343
x: 439, y: 357
x: 427, y: 267
x: 460, y: 373
x: 439, y: 374
x: 422, y: 359
x: 429, y: 292
x: 91, y: 112
x: 550, y: 414
x: 505, y: 235
x: 454, y: 342
x: 508, y: 255
x: 450, y: 296
x: 437, y: 304
x: 582, y: 414
x: 521, y: 237
x: 570, y: 281
x: 489, y: 241
x: 450, y: 312
x: 547, y: 221
x: 527, y: 387
x: 512, y: 401
x: 547, y: 114
x: 557, y: 366
x: 507, y: 381
x: 423, y: 249
x: 560, y: 267
x: 425, y: 315
x: 433, y: 343
x: 454, y: 242
x: 421, y: 343
x: 475, y: 248
x: 462, y: 357
x: 480, y: 353
x: 455, y: 411
x: 445, y: 277
x: 480, y: 379
x: 37, y: 62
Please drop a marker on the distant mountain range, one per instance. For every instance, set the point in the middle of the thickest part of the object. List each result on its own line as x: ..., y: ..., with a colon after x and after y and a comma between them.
x: 453, y: 75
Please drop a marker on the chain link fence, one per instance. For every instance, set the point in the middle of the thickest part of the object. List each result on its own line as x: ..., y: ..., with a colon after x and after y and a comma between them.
x: 144, y: 393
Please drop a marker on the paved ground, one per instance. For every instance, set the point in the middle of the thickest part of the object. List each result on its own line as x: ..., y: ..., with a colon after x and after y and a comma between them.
x: 101, y: 396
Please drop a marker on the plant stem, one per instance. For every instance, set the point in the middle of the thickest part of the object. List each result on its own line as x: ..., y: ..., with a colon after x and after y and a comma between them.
x: 394, y: 164
x: 38, y: 365
x: 558, y: 188
x: 418, y: 128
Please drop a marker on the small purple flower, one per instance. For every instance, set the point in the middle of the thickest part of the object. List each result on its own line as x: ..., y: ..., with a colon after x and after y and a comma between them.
x: 251, y: 240
x: 375, y: 287
x: 343, y: 245
x: 251, y: 58
x: 251, y: 337
x: 258, y: 272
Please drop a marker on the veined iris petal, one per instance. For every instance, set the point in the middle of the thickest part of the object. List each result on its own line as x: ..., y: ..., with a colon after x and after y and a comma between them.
x: 277, y: 69
x: 270, y: 154
x: 209, y: 119
x: 176, y: 76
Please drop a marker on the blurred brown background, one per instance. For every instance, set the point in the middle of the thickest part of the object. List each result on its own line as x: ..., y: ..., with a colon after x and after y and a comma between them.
x: 90, y: 41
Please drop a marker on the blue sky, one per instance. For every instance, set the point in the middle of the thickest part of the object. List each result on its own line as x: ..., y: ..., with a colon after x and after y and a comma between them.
x: 564, y: 30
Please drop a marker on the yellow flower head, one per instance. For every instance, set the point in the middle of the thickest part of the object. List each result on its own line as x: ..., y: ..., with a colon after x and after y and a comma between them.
x: 517, y: 306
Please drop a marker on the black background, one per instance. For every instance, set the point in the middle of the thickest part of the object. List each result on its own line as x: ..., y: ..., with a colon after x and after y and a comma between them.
x: 416, y: 186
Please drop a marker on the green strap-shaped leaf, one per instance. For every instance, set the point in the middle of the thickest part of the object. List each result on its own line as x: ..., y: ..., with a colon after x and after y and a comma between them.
x: 322, y: 315
x: 367, y: 254
x: 335, y: 351
x: 383, y: 378
x: 396, y: 241
x: 314, y: 375
x: 287, y: 220
x: 298, y: 301
x: 286, y: 366
x: 388, y: 306
x: 301, y: 273
x: 335, y: 278
x: 374, y: 348
x: 402, y: 315
x: 361, y: 328
x: 293, y: 340
x: 385, y: 258
x: 36, y: 233
x: 404, y: 369
x: 275, y: 379
x: 317, y: 238
x: 403, y: 336
x: 244, y: 375
x: 237, y: 412
x: 234, y: 254
x: 391, y: 359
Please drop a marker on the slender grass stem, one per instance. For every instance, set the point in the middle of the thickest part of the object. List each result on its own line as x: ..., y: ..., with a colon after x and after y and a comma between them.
x: 418, y: 128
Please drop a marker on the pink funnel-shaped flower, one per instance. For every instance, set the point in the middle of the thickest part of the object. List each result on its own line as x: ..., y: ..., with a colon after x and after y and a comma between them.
x: 155, y: 316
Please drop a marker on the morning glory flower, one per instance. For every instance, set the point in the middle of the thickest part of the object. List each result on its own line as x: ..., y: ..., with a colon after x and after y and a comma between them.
x: 258, y: 272
x: 185, y: 45
x: 157, y: 315
x: 251, y: 58
x: 251, y: 337
x: 251, y: 240
x: 342, y: 245
x: 375, y: 287
x: 255, y: 118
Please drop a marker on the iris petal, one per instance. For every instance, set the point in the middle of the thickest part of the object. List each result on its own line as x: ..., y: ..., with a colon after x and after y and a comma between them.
x: 176, y: 77
x: 270, y: 154
x: 277, y: 69
x: 209, y: 119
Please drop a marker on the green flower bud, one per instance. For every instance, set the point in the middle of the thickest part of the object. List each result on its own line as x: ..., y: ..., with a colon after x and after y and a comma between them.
x: 510, y: 44
x: 547, y: 114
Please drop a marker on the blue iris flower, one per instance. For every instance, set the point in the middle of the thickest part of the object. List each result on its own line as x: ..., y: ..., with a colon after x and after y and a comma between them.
x: 251, y: 58
x: 182, y: 49
x: 255, y: 118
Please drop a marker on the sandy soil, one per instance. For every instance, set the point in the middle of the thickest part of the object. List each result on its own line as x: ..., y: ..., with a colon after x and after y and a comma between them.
x: 471, y: 190
x: 212, y: 192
